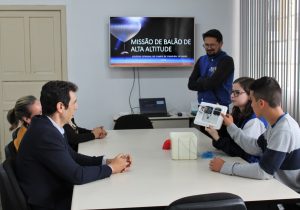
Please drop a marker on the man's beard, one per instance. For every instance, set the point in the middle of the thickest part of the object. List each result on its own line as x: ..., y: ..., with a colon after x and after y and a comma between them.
x: 212, y: 53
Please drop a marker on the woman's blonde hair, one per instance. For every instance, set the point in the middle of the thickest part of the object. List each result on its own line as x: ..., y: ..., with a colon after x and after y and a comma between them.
x: 21, y: 109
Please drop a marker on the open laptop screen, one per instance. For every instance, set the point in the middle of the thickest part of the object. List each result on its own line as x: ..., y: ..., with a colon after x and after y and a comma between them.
x: 153, y: 107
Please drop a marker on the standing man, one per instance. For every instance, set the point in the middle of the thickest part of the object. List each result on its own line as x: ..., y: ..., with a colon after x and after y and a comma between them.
x: 46, y: 166
x: 213, y: 73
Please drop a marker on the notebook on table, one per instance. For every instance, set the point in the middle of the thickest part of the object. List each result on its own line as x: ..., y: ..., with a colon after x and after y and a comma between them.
x: 153, y: 107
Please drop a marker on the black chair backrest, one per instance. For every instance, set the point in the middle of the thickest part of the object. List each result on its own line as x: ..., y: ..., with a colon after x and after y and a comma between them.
x: 10, y: 150
x: 133, y: 121
x: 212, y: 201
x: 12, y: 197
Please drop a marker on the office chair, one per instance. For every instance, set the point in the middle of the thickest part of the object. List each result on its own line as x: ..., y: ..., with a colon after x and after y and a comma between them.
x: 213, y: 201
x: 12, y: 197
x: 133, y: 121
x: 10, y: 150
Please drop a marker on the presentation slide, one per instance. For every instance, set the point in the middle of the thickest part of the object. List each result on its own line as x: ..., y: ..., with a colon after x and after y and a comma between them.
x: 151, y: 41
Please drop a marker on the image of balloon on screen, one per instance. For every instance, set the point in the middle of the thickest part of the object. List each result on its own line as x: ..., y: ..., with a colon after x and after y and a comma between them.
x: 124, y: 29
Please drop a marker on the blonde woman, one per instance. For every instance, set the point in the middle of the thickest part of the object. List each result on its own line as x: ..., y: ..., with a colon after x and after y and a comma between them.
x: 20, y: 116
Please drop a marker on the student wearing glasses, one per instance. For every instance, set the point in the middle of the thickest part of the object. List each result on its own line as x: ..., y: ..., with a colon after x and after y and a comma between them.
x: 213, y: 73
x: 278, y: 146
x: 243, y: 117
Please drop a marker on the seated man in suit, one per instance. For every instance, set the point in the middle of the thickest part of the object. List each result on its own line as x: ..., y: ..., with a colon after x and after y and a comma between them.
x: 46, y: 166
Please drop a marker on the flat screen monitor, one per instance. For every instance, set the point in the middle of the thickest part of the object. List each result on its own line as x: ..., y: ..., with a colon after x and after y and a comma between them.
x: 151, y: 41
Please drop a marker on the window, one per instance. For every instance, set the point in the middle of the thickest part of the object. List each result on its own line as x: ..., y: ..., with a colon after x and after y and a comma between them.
x: 270, y: 46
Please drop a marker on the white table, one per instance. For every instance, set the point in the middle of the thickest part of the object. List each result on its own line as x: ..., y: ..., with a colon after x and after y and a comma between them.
x: 157, y: 180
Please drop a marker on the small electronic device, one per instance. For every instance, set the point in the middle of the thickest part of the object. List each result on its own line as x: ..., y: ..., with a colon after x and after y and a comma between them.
x: 209, y: 115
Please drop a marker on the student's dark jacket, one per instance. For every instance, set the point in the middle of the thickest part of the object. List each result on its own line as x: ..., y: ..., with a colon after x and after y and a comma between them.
x: 77, y: 135
x: 47, y: 167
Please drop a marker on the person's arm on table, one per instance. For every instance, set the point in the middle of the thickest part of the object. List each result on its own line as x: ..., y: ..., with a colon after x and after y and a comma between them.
x: 117, y: 164
x: 247, y: 143
x: 252, y: 170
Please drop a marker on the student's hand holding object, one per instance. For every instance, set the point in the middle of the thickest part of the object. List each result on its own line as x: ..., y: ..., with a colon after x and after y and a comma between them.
x: 213, y: 133
x: 227, y: 119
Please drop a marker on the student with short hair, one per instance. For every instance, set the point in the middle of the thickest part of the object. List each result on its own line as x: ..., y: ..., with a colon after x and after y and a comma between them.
x: 279, y: 146
x: 243, y: 117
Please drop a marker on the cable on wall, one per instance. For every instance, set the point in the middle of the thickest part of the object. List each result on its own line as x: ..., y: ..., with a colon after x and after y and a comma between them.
x: 139, y: 84
x: 131, y: 90
x: 134, y: 69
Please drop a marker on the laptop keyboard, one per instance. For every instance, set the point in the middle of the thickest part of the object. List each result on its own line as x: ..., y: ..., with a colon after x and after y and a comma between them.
x: 156, y: 114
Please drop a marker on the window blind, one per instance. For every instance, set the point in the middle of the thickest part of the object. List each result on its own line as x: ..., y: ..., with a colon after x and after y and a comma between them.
x: 270, y: 46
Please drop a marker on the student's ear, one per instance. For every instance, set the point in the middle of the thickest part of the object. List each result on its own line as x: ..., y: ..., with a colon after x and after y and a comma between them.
x: 261, y: 103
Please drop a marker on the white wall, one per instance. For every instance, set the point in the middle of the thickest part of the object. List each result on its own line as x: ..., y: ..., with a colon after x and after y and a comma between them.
x: 104, y: 91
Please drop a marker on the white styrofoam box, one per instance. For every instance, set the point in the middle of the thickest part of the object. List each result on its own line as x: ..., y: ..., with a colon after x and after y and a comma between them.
x: 184, y: 145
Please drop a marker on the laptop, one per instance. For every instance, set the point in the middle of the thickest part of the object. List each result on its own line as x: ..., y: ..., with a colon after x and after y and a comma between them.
x: 153, y: 107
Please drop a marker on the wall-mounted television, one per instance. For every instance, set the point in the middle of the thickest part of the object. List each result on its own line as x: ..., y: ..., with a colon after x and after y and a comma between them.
x: 151, y: 41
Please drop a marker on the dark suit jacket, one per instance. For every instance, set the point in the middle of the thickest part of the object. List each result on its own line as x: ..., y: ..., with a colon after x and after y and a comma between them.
x: 47, y: 167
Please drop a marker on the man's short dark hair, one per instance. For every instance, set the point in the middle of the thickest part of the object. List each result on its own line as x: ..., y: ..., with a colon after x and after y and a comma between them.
x: 213, y: 33
x: 54, y: 92
x: 268, y: 89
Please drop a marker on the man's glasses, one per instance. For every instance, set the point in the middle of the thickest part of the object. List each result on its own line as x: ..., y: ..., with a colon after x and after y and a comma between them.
x: 236, y: 93
x: 211, y: 46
